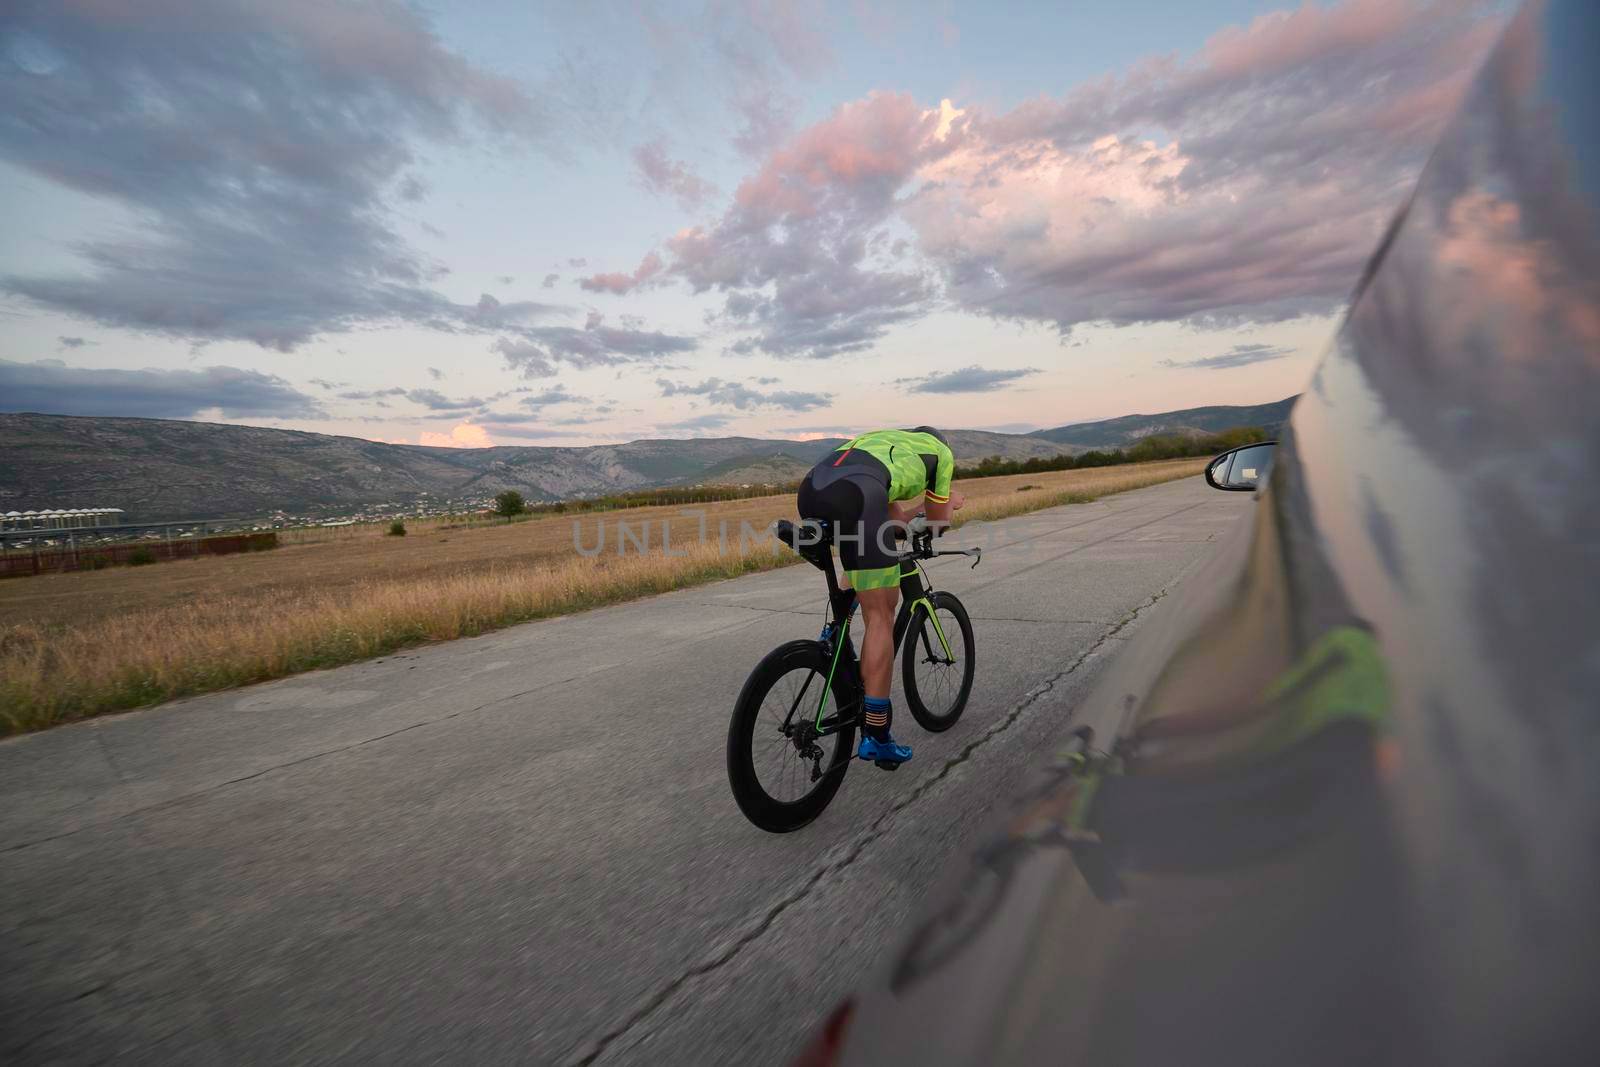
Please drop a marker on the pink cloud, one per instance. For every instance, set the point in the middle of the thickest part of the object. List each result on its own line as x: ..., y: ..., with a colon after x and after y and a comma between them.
x: 1246, y: 184
x: 621, y: 284
x: 666, y: 176
x: 462, y: 435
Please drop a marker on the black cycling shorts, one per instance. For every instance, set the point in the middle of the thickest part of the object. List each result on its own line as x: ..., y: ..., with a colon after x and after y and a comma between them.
x: 853, y: 496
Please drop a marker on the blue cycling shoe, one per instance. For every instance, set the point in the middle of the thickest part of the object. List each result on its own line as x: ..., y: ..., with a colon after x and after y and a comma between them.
x: 885, y: 753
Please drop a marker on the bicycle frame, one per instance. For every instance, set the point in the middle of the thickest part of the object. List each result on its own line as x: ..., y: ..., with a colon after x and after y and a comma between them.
x: 915, y: 596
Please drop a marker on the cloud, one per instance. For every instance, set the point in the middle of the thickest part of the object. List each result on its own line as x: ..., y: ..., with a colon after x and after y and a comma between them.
x: 74, y: 342
x: 550, y: 280
x: 411, y: 189
x: 1237, y: 356
x: 436, y: 374
x: 709, y: 421
x: 1247, y: 183
x: 620, y: 284
x: 973, y: 379
x: 434, y: 400
x: 750, y: 56
x: 371, y: 394
x: 790, y: 253
x: 665, y: 176
x: 462, y: 435
x: 330, y: 386
x: 51, y: 387
x: 556, y: 394
x: 258, y: 175
x: 490, y: 313
x: 735, y: 395
x: 767, y: 118
x: 510, y: 428
x: 537, y: 350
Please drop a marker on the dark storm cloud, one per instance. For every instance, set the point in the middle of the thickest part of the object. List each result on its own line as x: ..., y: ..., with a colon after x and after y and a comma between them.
x: 1237, y: 356
x: 51, y: 387
x: 256, y: 144
x: 972, y: 379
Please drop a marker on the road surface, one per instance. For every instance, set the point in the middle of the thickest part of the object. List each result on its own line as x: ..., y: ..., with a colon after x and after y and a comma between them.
x: 521, y: 847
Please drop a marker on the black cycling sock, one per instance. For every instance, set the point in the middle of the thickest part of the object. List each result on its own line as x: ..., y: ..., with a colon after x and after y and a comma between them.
x: 879, y: 715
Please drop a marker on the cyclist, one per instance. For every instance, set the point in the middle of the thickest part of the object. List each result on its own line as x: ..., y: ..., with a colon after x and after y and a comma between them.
x: 864, y: 489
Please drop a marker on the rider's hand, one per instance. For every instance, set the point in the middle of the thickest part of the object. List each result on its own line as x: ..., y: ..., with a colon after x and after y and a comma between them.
x: 957, y: 499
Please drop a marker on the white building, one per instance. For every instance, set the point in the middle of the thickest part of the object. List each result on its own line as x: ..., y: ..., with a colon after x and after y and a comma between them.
x: 68, y: 519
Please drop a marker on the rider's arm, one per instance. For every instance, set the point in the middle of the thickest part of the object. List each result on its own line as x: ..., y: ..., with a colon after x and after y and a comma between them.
x: 942, y: 499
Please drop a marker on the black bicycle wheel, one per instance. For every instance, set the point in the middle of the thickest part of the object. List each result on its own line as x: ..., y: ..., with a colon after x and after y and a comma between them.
x: 937, y: 685
x: 781, y: 772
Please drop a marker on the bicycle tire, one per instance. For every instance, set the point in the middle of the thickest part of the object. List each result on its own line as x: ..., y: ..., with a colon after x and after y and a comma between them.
x: 949, y: 608
x: 764, y: 810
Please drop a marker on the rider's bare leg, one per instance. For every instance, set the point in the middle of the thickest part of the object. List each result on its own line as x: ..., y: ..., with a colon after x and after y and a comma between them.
x: 877, y: 647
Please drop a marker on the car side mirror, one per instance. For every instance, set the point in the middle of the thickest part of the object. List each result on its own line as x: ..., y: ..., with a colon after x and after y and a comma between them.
x: 1241, y: 469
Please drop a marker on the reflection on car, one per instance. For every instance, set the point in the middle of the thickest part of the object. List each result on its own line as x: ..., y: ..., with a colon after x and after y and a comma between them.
x: 1339, y: 802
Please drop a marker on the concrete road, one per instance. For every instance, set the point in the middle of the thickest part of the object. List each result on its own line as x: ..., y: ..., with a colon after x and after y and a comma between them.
x: 521, y: 847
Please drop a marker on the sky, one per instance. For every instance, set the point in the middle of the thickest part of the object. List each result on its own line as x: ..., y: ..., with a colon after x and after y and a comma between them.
x: 511, y: 223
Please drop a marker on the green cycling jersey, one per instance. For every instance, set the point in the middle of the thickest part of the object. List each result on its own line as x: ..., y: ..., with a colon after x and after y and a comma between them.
x: 918, y: 461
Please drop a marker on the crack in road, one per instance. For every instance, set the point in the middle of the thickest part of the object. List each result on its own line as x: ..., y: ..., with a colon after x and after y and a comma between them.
x: 846, y: 855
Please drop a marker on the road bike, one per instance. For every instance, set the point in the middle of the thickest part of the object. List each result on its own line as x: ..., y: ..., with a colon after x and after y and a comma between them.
x: 788, y: 750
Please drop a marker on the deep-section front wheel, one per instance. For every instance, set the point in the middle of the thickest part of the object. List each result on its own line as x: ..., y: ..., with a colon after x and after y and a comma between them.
x: 937, y: 662
x: 783, y: 771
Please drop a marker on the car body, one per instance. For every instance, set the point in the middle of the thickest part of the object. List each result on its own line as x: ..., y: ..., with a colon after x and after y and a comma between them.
x: 1346, y: 806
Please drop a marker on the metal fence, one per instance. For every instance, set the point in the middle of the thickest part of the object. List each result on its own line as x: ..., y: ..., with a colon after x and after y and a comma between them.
x: 25, y: 552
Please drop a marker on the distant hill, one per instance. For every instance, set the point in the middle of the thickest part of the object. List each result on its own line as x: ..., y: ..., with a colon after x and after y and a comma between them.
x: 1114, y: 433
x: 156, y: 469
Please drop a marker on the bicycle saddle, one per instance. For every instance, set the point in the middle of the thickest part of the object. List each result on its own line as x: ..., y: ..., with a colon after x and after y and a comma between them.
x: 805, y: 539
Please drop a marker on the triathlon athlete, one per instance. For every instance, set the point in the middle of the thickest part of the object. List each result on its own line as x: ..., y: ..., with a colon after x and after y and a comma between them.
x: 863, y: 489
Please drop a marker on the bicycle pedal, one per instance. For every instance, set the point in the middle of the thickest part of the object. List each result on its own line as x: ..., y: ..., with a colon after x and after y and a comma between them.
x: 886, y: 765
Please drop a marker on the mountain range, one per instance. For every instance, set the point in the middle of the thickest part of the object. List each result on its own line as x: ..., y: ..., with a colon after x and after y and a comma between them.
x: 158, y: 469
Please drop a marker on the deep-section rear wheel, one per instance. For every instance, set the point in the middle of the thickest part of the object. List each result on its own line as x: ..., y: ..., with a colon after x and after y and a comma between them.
x: 782, y: 772
x: 938, y: 674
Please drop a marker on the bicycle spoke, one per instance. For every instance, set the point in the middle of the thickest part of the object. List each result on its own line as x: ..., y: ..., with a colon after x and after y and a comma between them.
x: 783, y: 771
x: 939, y: 679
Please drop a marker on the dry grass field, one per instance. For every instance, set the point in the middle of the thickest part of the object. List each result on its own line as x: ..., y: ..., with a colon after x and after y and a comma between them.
x: 78, y: 644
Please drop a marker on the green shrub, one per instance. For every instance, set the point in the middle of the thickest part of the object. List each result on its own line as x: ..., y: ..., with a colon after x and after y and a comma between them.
x: 140, y: 556
x: 397, y: 528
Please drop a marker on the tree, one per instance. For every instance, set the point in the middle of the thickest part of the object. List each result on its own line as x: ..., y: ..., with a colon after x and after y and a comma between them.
x: 509, y: 503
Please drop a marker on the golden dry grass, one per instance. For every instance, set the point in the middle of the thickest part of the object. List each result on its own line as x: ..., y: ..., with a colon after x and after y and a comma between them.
x: 75, y: 645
